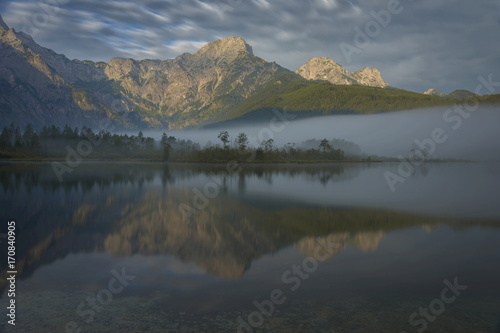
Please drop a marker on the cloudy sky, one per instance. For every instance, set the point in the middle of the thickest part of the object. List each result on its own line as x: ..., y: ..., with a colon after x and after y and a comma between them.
x: 421, y: 44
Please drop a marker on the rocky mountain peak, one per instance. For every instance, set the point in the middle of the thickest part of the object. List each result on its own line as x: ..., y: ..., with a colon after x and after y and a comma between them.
x: 370, y: 77
x: 225, y: 46
x: 117, y: 68
x: 317, y: 66
x: 434, y: 92
x: 368, y: 71
x: 324, y: 68
x: 2, y: 24
x: 322, y: 61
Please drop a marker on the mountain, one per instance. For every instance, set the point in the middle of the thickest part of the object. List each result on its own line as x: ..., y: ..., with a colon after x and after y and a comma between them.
x: 35, y: 85
x: 434, y: 92
x: 123, y: 218
x: 221, y: 82
x: 369, y: 77
x: 307, y: 98
x: 457, y: 94
x: 193, y: 88
x: 3, y: 25
x: 324, y: 68
x: 40, y: 86
x: 461, y: 94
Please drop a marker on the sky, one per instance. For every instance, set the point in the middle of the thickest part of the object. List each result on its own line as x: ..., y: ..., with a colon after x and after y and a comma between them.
x: 415, y: 44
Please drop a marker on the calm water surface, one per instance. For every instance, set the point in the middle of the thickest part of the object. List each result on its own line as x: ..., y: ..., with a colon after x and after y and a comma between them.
x: 130, y: 247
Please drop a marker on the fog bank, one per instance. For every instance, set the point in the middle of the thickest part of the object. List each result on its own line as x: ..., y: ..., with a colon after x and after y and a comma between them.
x: 463, y: 134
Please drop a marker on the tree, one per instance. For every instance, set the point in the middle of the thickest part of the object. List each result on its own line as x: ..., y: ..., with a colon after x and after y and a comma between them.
x: 172, y: 140
x: 149, y: 143
x: 12, y: 130
x: 83, y: 132
x: 224, y: 137
x: 28, y: 135
x: 35, y: 140
x: 268, y: 144
x: 116, y: 140
x: 54, y: 132
x: 67, y: 132
x: 259, y: 154
x: 242, y: 141
x: 105, y: 135
x: 18, y: 139
x: 89, y: 133
x: 167, y: 148
x: 5, y: 138
x: 45, y: 132
x: 164, y: 139
x: 140, y: 136
x: 325, y: 146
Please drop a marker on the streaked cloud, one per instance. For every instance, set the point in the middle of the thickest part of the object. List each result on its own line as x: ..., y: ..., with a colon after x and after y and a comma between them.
x: 431, y: 44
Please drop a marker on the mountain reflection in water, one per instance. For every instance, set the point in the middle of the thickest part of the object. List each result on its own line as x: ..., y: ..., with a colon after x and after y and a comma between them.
x: 129, y: 210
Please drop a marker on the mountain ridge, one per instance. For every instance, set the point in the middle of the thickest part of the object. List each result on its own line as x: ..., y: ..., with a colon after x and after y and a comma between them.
x: 434, y: 92
x: 456, y: 94
x: 32, y: 90
x: 223, y: 80
x: 3, y: 24
x: 132, y: 93
x: 192, y: 86
x: 325, y: 68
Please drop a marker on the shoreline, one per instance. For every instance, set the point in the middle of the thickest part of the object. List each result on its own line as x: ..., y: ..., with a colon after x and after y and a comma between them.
x: 51, y: 160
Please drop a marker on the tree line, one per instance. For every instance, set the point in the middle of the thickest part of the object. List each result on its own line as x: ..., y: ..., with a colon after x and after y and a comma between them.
x: 52, y: 142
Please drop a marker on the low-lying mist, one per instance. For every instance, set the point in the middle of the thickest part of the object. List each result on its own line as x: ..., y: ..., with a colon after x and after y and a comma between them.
x: 458, y: 133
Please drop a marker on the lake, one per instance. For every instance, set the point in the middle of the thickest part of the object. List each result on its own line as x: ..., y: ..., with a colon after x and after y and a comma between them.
x: 131, y: 247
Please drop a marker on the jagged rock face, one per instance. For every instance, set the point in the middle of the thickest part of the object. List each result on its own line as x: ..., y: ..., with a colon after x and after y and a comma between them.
x: 434, y: 92
x: 194, y: 88
x: 70, y: 70
x: 324, y: 68
x: 42, y: 87
x: 3, y: 25
x: 190, y: 90
x: 337, y: 242
x: 215, y: 78
x: 369, y: 77
x: 228, y: 48
x: 31, y: 88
